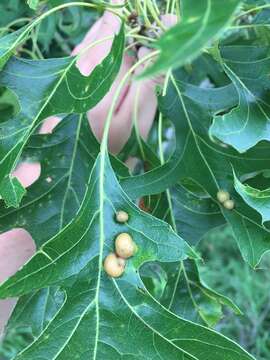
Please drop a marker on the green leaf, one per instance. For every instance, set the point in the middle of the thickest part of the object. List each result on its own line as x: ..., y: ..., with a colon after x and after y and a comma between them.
x: 167, y: 175
x: 247, y: 124
x: 188, y: 296
x: 32, y: 314
x: 195, y: 213
x: 178, y: 286
x: 201, y: 22
x: 54, y: 86
x: 86, y: 224
x: 66, y: 157
x: 8, y: 104
x: 38, y: 309
x: 33, y: 4
x: 12, y: 191
x: 208, y: 164
x: 257, y: 199
x: 9, y: 42
x: 11, y: 10
x: 101, y: 316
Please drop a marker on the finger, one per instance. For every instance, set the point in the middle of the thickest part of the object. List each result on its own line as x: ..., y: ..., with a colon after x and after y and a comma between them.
x: 27, y: 172
x: 16, y: 247
x: 108, y: 25
x: 169, y: 20
x: 49, y: 124
x: 98, y: 115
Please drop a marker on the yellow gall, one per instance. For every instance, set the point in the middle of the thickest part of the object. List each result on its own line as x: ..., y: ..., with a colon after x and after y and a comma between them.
x: 223, y: 196
x: 125, y: 247
x: 229, y: 204
x: 121, y: 216
x: 114, y: 266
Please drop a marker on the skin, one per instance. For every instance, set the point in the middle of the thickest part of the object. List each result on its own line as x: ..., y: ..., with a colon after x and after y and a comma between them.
x: 17, y: 245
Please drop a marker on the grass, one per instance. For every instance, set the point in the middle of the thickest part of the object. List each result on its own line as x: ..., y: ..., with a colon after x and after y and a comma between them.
x: 227, y: 273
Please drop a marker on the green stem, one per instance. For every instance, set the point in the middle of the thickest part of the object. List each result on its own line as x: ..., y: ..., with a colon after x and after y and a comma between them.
x: 12, y: 23
x: 142, y: 12
x: 248, y: 26
x: 61, y: 7
x: 161, y: 155
x: 155, y: 15
x: 135, y: 123
x: 261, y: 7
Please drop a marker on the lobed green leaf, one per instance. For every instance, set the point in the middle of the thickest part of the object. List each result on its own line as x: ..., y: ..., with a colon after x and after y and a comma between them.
x: 201, y: 22
x: 51, y: 87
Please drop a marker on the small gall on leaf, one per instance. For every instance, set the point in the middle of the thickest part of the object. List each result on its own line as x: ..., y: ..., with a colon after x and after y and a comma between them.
x: 223, y: 196
x: 114, y: 266
x: 125, y: 247
x: 121, y: 216
x: 229, y: 204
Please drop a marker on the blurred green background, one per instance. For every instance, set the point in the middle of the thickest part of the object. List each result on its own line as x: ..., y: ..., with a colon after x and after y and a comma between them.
x: 226, y: 272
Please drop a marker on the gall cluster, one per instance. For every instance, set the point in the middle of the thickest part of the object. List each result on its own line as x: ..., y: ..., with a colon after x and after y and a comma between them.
x: 225, y: 199
x: 125, y: 247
